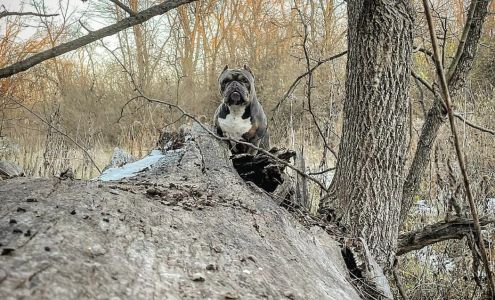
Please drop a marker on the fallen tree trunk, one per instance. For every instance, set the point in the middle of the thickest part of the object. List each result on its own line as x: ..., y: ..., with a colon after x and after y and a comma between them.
x: 188, y: 227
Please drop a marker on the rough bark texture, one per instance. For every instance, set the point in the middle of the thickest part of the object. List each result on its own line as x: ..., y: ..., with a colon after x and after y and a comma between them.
x: 188, y: 228
x: 367, y: 186
x: 467, y: 56
x: 437, y: 115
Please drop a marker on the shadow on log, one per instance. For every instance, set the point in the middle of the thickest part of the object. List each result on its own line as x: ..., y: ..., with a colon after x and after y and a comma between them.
x: 186, y: 227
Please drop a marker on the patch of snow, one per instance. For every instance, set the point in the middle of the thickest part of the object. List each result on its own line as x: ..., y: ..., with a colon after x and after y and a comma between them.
x: 436, y: 261
x: 490, y: 205
x: 132, y: 169
x: 328, y: 177
x: 423, y: 207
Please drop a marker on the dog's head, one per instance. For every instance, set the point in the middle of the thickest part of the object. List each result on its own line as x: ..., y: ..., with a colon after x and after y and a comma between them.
x: 237, y: 86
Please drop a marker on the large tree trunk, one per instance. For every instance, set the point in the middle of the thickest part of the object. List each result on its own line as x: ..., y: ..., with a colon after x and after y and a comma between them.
x: 367, y: 187
x: 189, y: 227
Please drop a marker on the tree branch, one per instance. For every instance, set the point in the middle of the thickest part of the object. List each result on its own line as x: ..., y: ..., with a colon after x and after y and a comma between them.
x: 294, y: 84
x: 423, y: 50
x: 438, y: 232
x: 5, y: 13
x: 464, y: 36
x: 310, y: 84
x: 457, y: 115
x: 138, y: 18
x: 322, y: 172
x: 124, y: 7
x: 475, y: 126
x: 423, y: 81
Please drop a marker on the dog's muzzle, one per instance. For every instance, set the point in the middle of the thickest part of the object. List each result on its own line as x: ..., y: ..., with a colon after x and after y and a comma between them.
x: 236, y: 95
x: 235, y: 98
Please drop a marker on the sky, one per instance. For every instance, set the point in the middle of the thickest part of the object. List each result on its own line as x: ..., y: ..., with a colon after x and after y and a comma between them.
x: 15, y: 5
x: 52, y: 7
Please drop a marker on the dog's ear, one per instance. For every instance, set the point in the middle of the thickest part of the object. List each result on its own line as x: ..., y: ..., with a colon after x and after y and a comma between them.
x: 224, y: 69
x: 247, y: 68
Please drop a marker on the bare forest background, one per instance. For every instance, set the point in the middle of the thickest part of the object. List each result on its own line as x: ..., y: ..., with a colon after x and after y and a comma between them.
x: 296, y: 50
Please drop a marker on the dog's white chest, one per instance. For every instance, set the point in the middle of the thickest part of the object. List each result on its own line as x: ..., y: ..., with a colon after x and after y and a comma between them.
x: 234, y: 126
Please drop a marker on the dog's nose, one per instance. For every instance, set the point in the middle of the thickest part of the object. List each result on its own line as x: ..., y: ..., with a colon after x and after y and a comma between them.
x: 235, y: 96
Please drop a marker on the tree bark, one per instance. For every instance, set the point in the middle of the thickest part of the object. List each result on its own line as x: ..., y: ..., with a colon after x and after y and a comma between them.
x: 437, y: 114
x: 367, y: 186
x: 189, y: 227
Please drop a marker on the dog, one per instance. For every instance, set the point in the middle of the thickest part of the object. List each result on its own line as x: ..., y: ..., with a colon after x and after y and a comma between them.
x: 240, y: 116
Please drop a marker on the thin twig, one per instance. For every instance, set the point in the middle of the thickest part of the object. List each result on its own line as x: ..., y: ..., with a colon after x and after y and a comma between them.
x: 457, y: 115
x: 423, y: 50
x: 423, y: 81
x: 322, y: 172
x: 59, y: 131
x: 475, y: 126
x: 296, y: 82
x: 310, y: 84
x: 123, y: 107
x: 460, y: 157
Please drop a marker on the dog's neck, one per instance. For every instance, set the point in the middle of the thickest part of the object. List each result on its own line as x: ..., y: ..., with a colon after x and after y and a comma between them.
x: 237, y: 109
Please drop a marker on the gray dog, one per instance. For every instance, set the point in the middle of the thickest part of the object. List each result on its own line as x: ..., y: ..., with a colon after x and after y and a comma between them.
x: 240, y: 115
